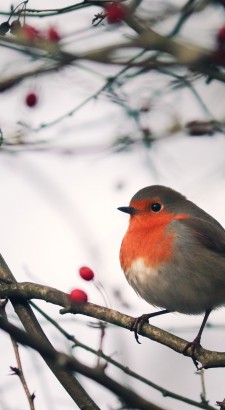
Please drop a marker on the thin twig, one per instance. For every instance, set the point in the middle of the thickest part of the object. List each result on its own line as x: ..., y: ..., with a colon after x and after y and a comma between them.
x: 203, y: 394
x: 18, y: 371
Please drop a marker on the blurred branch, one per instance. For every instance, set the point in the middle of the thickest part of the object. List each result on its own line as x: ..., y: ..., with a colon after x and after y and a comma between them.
x: 15, y: 80
x: 69, y: 113
x: 184, y: 54
x: 27, y: 290
x: 70, y: 364
x: 50, y: 12
x: 141, y: 137
x: 126, y: 370
x: 187, y: 10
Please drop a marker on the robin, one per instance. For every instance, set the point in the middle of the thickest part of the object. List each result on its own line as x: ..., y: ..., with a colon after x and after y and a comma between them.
x: 173, y: 255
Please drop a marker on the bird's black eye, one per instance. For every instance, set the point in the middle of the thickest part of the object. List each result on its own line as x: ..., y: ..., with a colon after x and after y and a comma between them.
x: 156, y: 207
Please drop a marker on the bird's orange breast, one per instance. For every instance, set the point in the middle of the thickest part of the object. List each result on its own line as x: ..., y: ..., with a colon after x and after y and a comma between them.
x: 148, y: 238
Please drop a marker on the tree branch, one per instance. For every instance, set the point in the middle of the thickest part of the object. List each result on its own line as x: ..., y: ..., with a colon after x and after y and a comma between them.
x: 34, y: 330
x: 27, y: 290
x: 70, y: 364
x: 18, y: 371
x: 100, y: 354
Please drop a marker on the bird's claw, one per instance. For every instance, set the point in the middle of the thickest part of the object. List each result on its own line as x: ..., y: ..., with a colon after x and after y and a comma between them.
x: 193, y: 346
x: 141, y: 320
x: 137, y: 325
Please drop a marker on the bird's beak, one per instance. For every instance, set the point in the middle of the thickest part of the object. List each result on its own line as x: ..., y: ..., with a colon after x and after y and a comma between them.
x: 128, y: 210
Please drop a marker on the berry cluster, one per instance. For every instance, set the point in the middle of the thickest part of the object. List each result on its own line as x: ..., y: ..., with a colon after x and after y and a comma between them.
x: 29, y: 33
x: 78, y: 295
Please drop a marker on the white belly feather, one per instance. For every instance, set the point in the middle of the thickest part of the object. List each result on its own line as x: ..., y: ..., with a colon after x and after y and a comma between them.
x: 145, y: 281
x: 172, y: 288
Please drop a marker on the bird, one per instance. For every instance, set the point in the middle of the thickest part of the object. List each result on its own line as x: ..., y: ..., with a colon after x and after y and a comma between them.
x: 173, y: 255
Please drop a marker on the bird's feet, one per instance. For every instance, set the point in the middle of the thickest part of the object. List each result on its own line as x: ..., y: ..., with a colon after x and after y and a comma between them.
x: 137, y: 325
x: 141, y: 320
x: 194, y: 346
x: 196, y: 342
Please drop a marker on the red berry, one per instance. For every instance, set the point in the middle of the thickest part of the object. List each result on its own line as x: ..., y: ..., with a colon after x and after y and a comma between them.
x: 53, y: 35
x: 115, y: 12
x: 86, y: 273
x: 78, y: 295
x: 31, y: 99
x: 29, y: 33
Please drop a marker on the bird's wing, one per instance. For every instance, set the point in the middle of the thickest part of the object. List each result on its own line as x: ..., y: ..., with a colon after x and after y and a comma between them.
x: 209, y: 234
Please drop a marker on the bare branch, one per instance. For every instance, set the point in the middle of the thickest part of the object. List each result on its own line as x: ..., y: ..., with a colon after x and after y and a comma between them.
x: 19, y: 369
x: 100, y: 354
x: 27, y: 290
x: 34, y: 330
x: 67, y: 363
